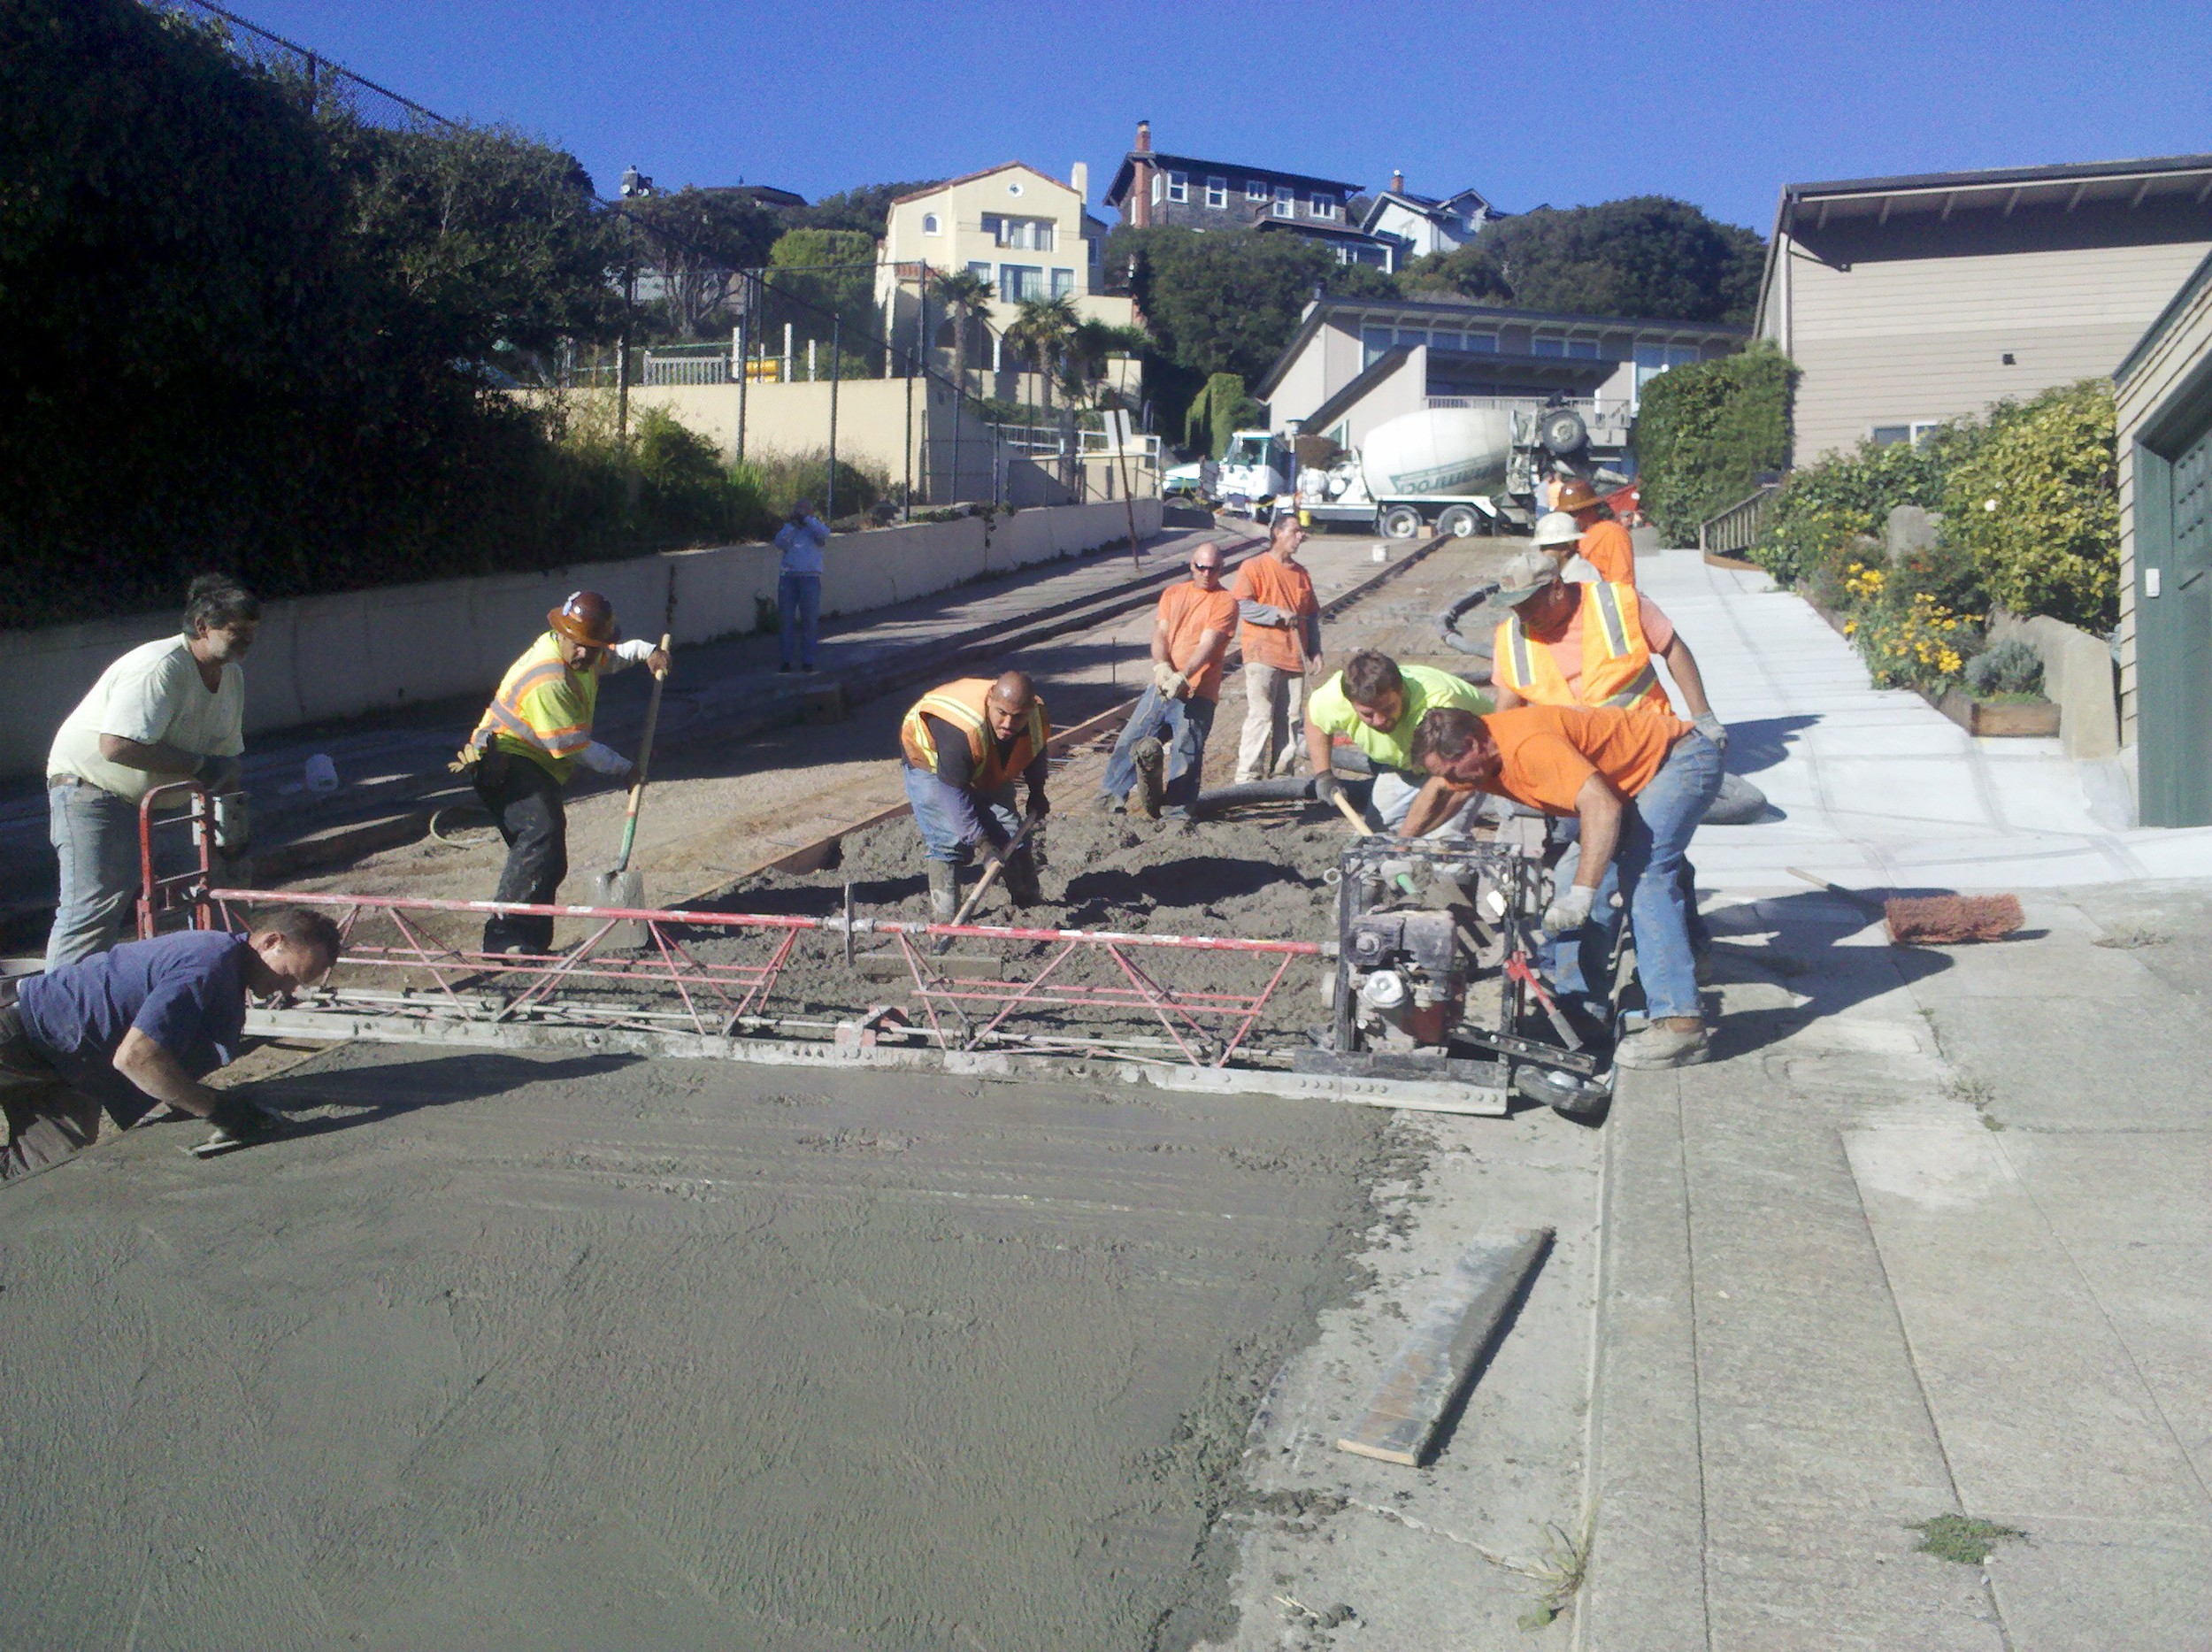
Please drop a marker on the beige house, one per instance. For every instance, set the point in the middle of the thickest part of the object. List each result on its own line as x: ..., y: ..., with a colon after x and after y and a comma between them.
x: 1909, y: 300
x: 1026, y: 233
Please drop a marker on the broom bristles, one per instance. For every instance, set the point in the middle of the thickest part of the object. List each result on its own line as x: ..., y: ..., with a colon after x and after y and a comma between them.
x: 1947, y: 919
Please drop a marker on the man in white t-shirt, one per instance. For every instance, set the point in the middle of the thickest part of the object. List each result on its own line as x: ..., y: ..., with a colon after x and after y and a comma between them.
x: 168, y: 711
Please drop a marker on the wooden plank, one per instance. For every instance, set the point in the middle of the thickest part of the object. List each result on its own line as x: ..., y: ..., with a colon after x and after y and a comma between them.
x: 1436, y: 1363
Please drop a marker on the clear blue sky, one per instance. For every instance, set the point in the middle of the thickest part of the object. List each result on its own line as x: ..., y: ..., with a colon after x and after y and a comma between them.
x: 1719, y: 103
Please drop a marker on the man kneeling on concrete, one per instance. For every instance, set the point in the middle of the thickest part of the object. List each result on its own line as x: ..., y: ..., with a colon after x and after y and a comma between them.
x: 1377, y: 704
x: 1161, y: 750
x: 141, y: 1025
x: 966, y: 744
x: 1639, y: 782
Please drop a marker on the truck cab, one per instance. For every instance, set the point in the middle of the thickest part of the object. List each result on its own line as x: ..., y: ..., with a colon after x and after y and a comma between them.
x: 1257, y: 467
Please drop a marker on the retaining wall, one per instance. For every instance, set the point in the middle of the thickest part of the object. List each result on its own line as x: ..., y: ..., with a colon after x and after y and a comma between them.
x: 2078, y: 676
x: 318, y: 657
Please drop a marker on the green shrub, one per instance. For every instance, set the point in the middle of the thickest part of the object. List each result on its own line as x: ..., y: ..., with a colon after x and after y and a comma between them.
x: 784, y: 478
x: 1705, y: 430
x: 2011, y: 667
x: 1822, y: 507
x: 1220, y: 411
x: 2036, y: 503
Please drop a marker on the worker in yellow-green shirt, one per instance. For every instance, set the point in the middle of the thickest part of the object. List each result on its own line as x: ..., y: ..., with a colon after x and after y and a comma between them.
x: 1375, y: 704
x: 531, y: 736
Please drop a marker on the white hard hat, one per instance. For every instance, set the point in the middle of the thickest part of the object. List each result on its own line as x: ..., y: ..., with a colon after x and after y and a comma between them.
x: 1554, y: 528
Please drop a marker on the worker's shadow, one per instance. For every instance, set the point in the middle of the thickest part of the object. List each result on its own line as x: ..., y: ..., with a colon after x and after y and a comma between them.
x: 1814, y: 948
x: 1198, y: 880
x: 320, y: 1102
x: 1762, y: 743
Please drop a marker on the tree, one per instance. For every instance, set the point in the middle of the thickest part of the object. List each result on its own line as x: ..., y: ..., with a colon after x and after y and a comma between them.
x: 1217, y: 413
x: 816, y: 276
x: 1040, y: 332
x: 1227, y: 301
x: 701, y: 240
x: 967, y: 298
x: 866, y: 209
x: 1646, y: 255
x: 1704, y: 430
x: 2036, y: 503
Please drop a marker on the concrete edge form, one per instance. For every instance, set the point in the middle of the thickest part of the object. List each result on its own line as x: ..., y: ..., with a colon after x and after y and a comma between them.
x: 1645, y: 1463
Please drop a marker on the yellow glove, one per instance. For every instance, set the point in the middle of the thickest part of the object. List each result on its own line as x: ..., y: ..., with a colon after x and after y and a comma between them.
x: 465, y: 759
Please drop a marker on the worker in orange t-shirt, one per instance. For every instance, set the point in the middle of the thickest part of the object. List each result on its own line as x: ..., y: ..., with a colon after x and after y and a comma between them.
x: 1605, y: 544
x: 1639, y: 782
x: 1161, y: 750
x: 1280, y: 634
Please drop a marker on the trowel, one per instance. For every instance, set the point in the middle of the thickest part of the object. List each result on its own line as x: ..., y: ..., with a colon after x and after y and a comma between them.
x: 623, y: 884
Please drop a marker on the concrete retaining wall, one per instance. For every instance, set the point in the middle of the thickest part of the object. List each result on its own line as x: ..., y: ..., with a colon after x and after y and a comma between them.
x: 2077, y: 677
x: 319, y: 658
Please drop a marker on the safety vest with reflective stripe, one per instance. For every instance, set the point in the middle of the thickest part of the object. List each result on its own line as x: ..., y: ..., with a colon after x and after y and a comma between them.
x: 543, y: 709
x: 961, y: 704
x: 1616, y: 668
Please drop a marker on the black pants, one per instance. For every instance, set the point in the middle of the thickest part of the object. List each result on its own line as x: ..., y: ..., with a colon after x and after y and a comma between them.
x: 525, y: 803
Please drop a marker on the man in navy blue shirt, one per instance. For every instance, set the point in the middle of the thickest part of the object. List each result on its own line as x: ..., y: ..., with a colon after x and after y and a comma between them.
x: 129, y: 1029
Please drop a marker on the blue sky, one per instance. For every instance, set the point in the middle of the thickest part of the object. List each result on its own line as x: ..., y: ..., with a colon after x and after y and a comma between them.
x: 1719, y: 104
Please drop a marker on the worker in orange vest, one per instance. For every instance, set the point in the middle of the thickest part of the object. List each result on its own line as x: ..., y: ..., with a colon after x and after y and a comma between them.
x: 1605, y: 544
x: 1279, y: 631
x: 965, y: 744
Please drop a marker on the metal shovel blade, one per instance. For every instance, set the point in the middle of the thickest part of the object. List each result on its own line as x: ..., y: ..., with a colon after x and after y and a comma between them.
x: 622, y: 888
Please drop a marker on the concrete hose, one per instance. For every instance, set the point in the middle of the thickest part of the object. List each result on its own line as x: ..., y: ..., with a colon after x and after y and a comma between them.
x: 1737, y: 802
x: 1448, y: 622
x: 1285, y: 788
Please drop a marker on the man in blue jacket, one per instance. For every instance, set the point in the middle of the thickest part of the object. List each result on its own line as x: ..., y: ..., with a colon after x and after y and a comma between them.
x: 142, y: 1025
x: 799, y: 583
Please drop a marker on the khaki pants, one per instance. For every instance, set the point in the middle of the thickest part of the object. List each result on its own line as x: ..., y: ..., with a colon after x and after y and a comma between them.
x: 1272, y: 696
x: 48, y: 1121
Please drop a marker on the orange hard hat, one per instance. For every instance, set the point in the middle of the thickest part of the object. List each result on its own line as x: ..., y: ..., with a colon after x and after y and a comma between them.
x: 1576, y: 494
x: 586, y: 618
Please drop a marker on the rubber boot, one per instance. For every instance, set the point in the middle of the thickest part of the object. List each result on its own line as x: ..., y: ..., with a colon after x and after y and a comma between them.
x: 1020, y: 879
x: 1151, y: 760
x: 944, y: 892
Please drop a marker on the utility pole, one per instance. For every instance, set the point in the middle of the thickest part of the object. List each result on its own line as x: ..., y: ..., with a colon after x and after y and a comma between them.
x: 622, y: 357
x: 836, y: 323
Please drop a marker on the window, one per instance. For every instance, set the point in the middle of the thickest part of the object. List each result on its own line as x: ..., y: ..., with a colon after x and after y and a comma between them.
x: 1372, y: 343
x: 1325, y: 207
x: 1681, y: 355
x: 1029, y: 235
x: 983, y: 270
x: 1218, y: 193
x: 1063, y: 283
x: 1894, y: 435
x: 1017, y: 281
x: 1286, y: 201
x: 1482, y: 343
x: 930, y: 225
x: 1413, y: 336
x: 1583, y: 349
x: 1179, y: 185
x: 1159, y: 188
x: 1255, y: 189
x: 1545, y: 344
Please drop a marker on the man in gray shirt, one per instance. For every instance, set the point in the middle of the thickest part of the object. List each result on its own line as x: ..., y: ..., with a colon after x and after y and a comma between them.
x: 171, y: 709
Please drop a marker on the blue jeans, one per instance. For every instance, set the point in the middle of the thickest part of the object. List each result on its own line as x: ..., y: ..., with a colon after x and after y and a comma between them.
x: 799, y: 615
x: 938, y: 812
x: 1650, y: 873
x: 94, y: 835
x: 1183, y: 727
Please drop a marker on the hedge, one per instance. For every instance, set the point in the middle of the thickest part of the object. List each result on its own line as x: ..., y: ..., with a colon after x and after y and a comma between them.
x: 1704, y: 431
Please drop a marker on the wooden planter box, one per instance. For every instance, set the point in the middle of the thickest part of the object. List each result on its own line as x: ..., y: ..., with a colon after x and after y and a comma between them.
x: 2036, y: 718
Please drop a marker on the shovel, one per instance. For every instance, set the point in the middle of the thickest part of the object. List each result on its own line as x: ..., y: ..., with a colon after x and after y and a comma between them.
x: 623, y: 884
x: 983, y: 884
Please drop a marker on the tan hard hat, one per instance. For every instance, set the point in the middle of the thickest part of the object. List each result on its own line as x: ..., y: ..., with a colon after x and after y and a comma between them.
x: 1554, y: 527
x: 1527, y: 576
x: 586, y: 618
x: 1577, y: 495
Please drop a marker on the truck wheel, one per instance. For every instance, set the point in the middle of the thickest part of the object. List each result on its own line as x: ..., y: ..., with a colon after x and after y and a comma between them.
x: 1400, y: 521
x: 1563, y: 433
x: 1459, y: 521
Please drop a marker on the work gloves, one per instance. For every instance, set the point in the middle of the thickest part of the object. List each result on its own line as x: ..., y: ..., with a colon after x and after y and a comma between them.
x: 242, y: 1121
x: 1326, y: 788
x: 1713, y: 729
x: 1172, y: 683
x: 1568, y: 910
x: 606, y: 760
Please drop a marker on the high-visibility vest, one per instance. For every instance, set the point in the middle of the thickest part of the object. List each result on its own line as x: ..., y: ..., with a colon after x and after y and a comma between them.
x: 1616, y: 668
x: 543, y: 709
x: 961, y: 704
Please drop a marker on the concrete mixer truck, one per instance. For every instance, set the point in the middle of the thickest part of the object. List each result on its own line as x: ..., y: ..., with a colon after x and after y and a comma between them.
x: 1450, y: 470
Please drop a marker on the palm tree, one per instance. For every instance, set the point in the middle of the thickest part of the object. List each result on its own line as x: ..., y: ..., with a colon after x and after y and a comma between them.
x: 965, y: 295
x: 1041, y: 332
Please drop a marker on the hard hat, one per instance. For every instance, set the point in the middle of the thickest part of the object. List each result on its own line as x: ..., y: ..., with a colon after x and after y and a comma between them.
x: 587, y: 618
x: 1554, y: 527
x: 1528, y: 573
x: 1577, y: 495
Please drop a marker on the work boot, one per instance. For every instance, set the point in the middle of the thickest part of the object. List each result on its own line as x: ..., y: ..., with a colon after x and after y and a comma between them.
x: 1659, y: 1045
x: 1151, y: 760
x: 944, y: 892
x: 1020, y: 879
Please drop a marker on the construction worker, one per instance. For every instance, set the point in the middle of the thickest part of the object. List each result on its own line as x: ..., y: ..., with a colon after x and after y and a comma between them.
x: 1376, y: 703
x: 1605, y: 545
x: 1556, y: 535
x: 531, y: 736
x: 1161, y: 750
x: 967, y: 743
x: 140, y: 1024
x: 1279, y: 629
x: 171, y: 709
x: 1638, y: 782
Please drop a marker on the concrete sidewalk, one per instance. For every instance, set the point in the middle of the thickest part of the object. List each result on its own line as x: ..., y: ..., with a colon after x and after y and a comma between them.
x: 1926, y: 1238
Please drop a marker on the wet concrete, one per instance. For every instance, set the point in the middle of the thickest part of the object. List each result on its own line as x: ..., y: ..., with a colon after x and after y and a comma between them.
x: 505, y: 1351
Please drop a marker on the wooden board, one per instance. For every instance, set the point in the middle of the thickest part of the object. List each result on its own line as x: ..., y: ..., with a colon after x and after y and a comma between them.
x: 1436, y: 1363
